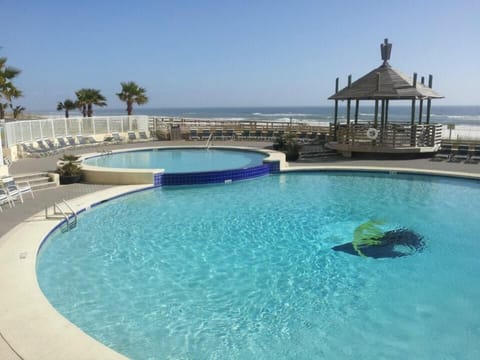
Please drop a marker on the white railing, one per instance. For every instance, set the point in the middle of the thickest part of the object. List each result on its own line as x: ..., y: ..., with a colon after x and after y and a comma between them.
x: 461, y: 132
x: 2, y: 160
x: 17, y: 132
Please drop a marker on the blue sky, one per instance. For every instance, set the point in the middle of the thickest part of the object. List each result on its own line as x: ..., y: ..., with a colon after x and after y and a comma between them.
x: 235, y: 53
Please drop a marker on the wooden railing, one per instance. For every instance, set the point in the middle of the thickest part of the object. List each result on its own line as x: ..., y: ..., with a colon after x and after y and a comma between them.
x: 391, y: 136
x: 164, y: 126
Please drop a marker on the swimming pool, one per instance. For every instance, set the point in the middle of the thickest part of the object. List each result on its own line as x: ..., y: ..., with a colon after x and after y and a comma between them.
x: 180, y: 160
x: 248, y: 271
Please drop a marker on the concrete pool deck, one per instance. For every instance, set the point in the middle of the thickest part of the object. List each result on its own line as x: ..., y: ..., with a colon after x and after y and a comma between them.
x: 30, y: 328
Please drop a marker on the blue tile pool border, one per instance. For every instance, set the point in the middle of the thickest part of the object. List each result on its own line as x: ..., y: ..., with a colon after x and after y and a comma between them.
x: 215, y: 177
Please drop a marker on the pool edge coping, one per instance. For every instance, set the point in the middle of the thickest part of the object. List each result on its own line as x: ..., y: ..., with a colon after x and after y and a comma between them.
x: 33, y: 328
x: 126, y: 176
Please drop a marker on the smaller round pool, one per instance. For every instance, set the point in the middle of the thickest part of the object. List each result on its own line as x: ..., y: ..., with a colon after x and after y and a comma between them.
x: 180, y: 160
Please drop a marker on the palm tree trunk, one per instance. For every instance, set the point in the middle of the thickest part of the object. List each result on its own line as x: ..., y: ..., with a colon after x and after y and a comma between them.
x: 89, y: 110
x: 66, y: 113
x: 129, y: 108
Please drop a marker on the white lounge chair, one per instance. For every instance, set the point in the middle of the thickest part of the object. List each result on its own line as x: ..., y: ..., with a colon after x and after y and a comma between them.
x: 17, y: 190
x: 5, y: 199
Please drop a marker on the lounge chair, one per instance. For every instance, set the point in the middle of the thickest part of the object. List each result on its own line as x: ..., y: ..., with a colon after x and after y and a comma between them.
x: 194, y: 134
x: 313, y: 136
x: 474, y: 157
x: 303, y: 137
x: 131, y: 136
x: 116, y: 137
x: 462, y: 153
x: 91, y: 140
x: 445, y: 153
x: 229, y: 134
x: 51, y: 146
x: 268, y: 135
x: 142, y: 135
x: 61, y: 143
x: 71, y: 140
x: 30, y: 150
x: 42, y: 146
x: 258, y: 135
x: 7, y: 161
x: 205, y: 134
x: 13, y: 188
x: 5, y: 199
x: 218, y: 134
x: 82, y: 140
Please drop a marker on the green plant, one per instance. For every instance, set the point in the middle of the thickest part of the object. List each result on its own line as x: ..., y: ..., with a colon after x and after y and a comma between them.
x: 69, y: 157
x: 69, y: 169
x: 67, y: 166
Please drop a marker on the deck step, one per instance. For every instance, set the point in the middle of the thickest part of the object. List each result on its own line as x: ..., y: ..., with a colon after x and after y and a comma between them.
x: 38, y: 181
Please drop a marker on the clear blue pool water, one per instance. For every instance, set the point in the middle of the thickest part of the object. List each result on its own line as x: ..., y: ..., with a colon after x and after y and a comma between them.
x: 180, y: 160
x: 246, y: 270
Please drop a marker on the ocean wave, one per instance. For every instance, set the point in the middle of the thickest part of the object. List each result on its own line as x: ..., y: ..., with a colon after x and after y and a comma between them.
x: 281, y: 114
x: 217, y: 118
x: 458, y: 117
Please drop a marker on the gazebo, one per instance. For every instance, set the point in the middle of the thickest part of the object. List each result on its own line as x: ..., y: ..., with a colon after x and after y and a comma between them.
x: 380, y: 135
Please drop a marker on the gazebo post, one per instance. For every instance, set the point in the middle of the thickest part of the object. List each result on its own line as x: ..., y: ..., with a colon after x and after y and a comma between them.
x: 412, y: 119
x: 357, y: 103
x: 420, y: 110
x: 386, y: 110
x: 349, y: 101
x: 382, y: 120
x: 429, y: 100
x: 375, y: 116
x: 335, y: 115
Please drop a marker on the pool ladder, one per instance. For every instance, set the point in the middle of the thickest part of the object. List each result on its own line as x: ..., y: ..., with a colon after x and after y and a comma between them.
x: 209, y: 141
x: 69, y: 215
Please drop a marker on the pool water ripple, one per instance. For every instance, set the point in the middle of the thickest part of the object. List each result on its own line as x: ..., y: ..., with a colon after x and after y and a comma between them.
x: 246, y: 270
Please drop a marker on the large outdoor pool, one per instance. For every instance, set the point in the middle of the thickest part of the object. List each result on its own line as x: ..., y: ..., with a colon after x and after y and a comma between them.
x: 247, y: 270
x: 180, y: 160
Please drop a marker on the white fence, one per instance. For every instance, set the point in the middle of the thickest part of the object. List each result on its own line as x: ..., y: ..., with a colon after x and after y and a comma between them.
x: 461, y: 132
x: 17, y: 132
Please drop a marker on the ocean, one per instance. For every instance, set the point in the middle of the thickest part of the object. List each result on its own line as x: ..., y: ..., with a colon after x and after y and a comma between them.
x: 458, y: 115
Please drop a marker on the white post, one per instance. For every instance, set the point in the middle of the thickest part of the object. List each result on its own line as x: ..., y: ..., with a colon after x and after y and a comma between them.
x: 66, y: 127
x: 53, y: 129
x: 2, y: 129
x: 31, y: 130
x: 93, y: 127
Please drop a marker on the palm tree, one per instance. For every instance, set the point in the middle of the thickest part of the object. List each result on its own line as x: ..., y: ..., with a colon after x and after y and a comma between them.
x: 3, y: 107
x: 17, y: 110
x: 9, y: 92
x: 66, y: 106
x: 7, y: 89
x: 87, y: 98
x: 132, y: 94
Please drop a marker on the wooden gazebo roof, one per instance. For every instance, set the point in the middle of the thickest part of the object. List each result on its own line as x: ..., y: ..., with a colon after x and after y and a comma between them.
x: 385, y: 83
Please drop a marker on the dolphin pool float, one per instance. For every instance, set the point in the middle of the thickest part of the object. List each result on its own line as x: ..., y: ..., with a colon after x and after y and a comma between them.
x: 370, y: 241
